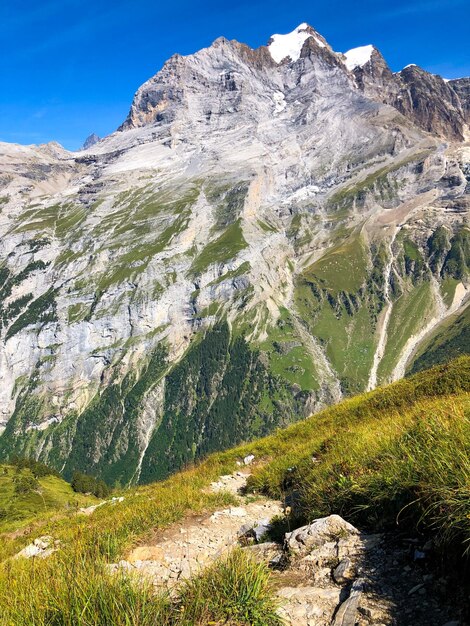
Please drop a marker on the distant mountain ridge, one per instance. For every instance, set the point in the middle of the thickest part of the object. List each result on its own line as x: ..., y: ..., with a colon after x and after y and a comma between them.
x: 268, y: 231
x: 90, y: 141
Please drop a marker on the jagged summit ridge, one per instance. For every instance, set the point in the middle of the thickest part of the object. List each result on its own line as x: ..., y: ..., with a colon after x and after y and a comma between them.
x: 225, y: 65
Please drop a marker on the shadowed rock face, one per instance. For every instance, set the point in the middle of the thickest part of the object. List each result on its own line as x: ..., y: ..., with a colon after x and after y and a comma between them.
x: 254, y: 242
x: 436, y: 106
x: 90, y: 141
x: 461, y: 86
x: 432, y: 103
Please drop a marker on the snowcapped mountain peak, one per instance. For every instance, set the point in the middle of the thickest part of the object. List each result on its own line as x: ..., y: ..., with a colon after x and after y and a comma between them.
x: 290, y: 45
x: 358, y: 57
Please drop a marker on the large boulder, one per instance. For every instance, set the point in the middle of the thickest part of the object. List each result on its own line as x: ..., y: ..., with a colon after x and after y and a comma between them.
x: 322, y: 531
x: 42, y: 547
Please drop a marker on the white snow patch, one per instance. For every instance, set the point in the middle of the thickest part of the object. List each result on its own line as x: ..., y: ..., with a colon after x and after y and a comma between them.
x: 357, y: 57
x: 290, y: 45
x: 410, y: 65
x: 304, y: 193
x: 279, y: 101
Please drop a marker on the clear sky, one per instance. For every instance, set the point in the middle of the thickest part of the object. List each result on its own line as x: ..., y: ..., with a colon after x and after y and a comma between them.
x: 71, y: 67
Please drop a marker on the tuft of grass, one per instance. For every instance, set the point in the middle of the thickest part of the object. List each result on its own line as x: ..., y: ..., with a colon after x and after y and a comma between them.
x: 397, y: 455
x: 234, y: 590
x: 70, y: 590
x: 414, y: 473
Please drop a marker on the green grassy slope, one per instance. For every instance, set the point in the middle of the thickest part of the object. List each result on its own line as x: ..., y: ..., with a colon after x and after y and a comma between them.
x: 450, y: 340
x: 333, y: 298
x: 408, y: 314
x: 222, y: 249
x: 400, y: 454
x: 24, y: 498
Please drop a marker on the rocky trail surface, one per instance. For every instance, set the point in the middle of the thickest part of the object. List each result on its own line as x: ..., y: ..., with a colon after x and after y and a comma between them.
x: 325, y: 573
x: 183, y: 549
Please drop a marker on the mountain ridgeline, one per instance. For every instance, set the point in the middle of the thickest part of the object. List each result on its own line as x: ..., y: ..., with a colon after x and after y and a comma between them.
x: 269, y: 231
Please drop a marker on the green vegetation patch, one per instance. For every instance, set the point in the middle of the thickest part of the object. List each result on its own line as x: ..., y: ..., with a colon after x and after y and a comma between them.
x: 83, y: 483
x: 343, y: 268
x: 24, y: 494
x: 382, y: 184
x: 228, y: 200
x: 9, y: 280
x: 414, y: 262
x: 136, y: 260
x: 230, y: 243
x: 288, y: 357
x: 62, y: 219
x: 407, y: 318
x: 448, y: 287
x: 214, y: 397
x: 438, y: 244
x: 40, y: 312
x: 450, y: 340
x: 339, y: 299
x: 77, y: 312
x: 105, y: 436
x: 242, y: 269
x: 14, y: 308
x: 457, y: 261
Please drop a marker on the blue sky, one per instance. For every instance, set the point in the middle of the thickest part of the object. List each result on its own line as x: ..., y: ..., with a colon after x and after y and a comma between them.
x: 71, y: 67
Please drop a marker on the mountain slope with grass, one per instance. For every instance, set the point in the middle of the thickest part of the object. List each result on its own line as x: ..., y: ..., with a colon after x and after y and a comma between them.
x: 449, y: 340
x: 29, y: 489
x: 394, y: 461
x: 260, y: 238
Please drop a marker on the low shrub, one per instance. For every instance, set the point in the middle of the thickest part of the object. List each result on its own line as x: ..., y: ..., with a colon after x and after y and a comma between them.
x: 82, y: 483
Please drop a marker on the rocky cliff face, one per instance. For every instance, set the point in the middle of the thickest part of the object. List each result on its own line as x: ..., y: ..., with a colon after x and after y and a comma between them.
x: 461, y: 86
x: 431, y: 103
x: 268, y: 231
